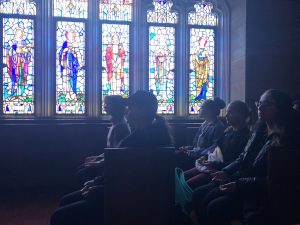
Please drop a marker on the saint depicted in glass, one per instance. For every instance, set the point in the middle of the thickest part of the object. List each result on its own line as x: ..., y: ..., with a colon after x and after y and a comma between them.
x: 70, y: 77
x: 202, y: 55
x: 162, y: 55
x: 115, y: 60
x: 202, y: 48
x: 18, y: 58
x: 161, y: 65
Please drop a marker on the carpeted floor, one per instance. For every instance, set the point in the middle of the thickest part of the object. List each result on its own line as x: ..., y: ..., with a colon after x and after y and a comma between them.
x: 28, y: 208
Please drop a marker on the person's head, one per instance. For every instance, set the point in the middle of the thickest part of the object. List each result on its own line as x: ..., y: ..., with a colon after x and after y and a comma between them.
x: 114, y: 105
x: 237, y: 114
x: 142, y: 108
x: 210, y: 109
x: 296, y: 105
x: 274, y: 106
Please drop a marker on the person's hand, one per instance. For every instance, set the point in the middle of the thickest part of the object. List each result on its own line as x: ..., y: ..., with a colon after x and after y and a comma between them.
x: 201, y: 160
x: 91, y: 189
x: 183, y: 148
x: 87, y: 185
x: 228, y: 188
x: 90, y: 159
x: 208, y: 164
x: 93, y: 163
x: 219, y: 176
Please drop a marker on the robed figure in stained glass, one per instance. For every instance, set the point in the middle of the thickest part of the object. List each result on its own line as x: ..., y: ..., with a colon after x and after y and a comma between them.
x: 18, y: 57
x: 69, y: 65
x: 115, y: 60
x: 201, y: 66
x: 162, y: 65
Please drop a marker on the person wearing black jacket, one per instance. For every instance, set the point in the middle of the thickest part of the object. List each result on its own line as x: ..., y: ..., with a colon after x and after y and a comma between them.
x: 86, y: 207
x: 231, y: 144
x: 244, y: 182
x: 209, y: 132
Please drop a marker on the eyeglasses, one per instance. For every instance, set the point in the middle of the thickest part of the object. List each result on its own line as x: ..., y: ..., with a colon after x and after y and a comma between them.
x: 264, y: 103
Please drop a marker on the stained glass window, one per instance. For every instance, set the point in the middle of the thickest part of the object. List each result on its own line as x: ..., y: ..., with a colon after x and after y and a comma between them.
x: 18, y: 73
x: 162, y: 55
x: 115, y: 59
x: 162, y: 12
x: 71, y: 8
x: 70, y: 67
x: 203, y: 15
x: 23, y: 7
x: 161, y: 65
x: 115, y: 10
x: 115, y: 46
x: 202, y: 63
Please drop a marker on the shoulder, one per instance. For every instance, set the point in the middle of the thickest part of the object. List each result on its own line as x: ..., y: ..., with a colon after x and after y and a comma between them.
x: 121, y: 126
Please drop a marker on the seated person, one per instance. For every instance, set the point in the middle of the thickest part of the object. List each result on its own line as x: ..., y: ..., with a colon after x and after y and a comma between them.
x: 229, y: 146
x: 210, y: 131
x: 150, y: 129
x: 243, y: 183
x: 114, y: 105
x: 86, y: 205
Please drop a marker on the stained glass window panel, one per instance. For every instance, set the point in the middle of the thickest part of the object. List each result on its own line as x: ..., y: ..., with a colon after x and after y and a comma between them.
x: 203, y: 15
x: 18, y: 60
x: 161, y: 65
x: 115, y: 60
x: 115, y: 10
x: 70, y: 68
x: 71, y: 8
x: 23, y: 7
x: 162, y: 12
x: 202, y: 63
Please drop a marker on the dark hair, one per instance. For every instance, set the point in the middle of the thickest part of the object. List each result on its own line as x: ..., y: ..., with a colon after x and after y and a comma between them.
x: 243, y: 109
x: 164, y: 129
x: 214, y: 106
x: 144, y: 100
x: 117, y: 104
x: 283, y: 103
x: 287, y: 120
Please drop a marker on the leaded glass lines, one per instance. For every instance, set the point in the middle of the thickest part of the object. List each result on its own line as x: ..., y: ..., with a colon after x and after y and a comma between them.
x: 71, y: 8
x: 115, y: 10
x: 18, y: 73
x: 115, y: 60
x: 21, y: 7
x: 70, y: 67
x: 161, y: 66
x: 202, y: 64
x: 162, y: 12
x: 203, y: 15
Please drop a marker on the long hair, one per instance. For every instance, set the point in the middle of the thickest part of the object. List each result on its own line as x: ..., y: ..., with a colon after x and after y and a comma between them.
x: 214, y: 106
x: 286, y: 117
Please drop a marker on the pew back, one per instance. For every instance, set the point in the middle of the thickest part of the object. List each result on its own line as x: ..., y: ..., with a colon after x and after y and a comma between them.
x: 284, y: 185
x: 139, y: 186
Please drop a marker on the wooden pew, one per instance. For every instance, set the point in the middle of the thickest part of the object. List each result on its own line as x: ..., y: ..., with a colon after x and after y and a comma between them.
x: 139, y: 186
x: 284, y: 186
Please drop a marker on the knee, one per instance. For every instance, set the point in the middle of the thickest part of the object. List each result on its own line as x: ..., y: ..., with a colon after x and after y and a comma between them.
x: 56, y: 218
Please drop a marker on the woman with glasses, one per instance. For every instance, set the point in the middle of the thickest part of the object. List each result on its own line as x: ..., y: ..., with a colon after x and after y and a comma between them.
x: 243, y: 183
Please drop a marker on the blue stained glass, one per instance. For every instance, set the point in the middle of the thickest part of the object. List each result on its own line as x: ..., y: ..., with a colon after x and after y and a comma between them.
x: 202, y: 48
x: 161, y: 65
x: 18, y: 73
x: 70, y: 68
